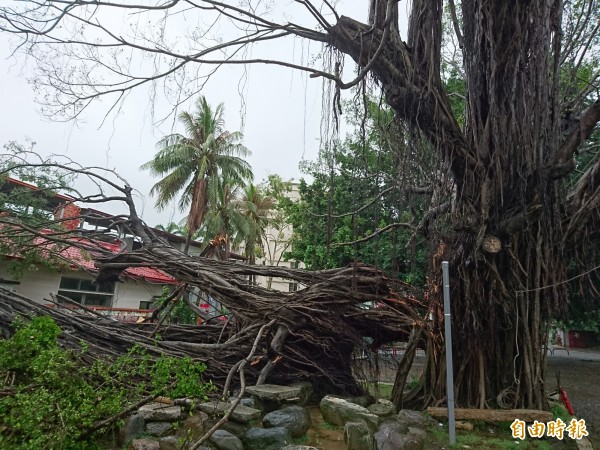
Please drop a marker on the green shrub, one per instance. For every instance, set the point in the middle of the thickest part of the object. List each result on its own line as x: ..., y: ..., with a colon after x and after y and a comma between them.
x: 51, y: 399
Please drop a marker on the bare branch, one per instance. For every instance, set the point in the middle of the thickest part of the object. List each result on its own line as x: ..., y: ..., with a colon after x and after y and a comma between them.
x: 562, y: 161
x: 376, y: 233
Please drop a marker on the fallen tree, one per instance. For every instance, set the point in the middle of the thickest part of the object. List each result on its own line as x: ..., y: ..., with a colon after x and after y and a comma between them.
x: 312, y: 333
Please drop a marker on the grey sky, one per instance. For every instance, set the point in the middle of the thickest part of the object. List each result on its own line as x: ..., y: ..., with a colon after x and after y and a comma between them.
x: 281, y: 124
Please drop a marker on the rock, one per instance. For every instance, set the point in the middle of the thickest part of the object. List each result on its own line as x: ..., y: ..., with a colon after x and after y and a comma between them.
x: 273, y: 391
x: 357, y: 436
x: 224, y: 440
x: 133, y: 428
x: 381, y: 410
x: 248, y: 402
x: 306, y: 392
x: 339, y: 411
x: 159, y: 412
x: 460, y: 425
x: 269, y: 397
x: 413, y: 442
x: 266, y: 438
x: 159, y: 429
x: 295, y: 419
x: 394, y: 425
x: 300, y: 447
x: 362, y: 400
x: 144, y: 444
x: 412, y: 418
x: 240, y: 413
x: 417, y: 432
x: 169, y: 443
x: 194, y: 426
x: 236, y: 428
x: 186, y: 403
x: 389, y: 439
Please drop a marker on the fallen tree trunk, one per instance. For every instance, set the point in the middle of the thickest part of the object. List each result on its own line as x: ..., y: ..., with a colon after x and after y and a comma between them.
x: 327, y: 320
x: 493, y: 415
x: 313, y: 333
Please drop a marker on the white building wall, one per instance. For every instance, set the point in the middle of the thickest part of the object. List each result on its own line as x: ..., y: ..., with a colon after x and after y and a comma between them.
x: 277, y: 243
x: 38, y: 284
x: 35, y: 284
x: 130, y: 293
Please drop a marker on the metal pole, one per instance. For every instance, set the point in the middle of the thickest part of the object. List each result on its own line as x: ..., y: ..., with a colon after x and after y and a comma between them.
x: 449, y: 366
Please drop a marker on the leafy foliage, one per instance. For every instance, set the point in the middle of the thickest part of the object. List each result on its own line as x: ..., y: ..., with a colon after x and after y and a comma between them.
x: 366, y: 164
x: 51, y: 398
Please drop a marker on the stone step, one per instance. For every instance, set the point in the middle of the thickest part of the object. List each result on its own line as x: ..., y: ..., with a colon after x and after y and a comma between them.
x: 274, y: 391
x: 240, y: 413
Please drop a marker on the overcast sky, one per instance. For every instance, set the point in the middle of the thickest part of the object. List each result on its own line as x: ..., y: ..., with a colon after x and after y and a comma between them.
x: 281, y: 124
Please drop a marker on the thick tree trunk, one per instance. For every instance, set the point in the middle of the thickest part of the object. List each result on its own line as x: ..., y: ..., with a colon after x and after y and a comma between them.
x: 505, y: 190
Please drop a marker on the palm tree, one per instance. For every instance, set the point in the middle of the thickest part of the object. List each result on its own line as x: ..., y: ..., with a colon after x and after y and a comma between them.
x: 193, y: 165
x: 257, y: 207
x: 224, y: 226
x: 172, y: 228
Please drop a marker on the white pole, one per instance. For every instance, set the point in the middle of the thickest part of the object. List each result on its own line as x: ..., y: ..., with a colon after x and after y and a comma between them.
x: 448, y: 337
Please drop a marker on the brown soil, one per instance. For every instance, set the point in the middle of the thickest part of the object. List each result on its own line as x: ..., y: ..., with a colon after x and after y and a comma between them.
x: 322, y: 435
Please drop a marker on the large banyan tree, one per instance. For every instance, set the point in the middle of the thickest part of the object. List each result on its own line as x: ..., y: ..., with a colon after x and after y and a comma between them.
x: 518, y: 209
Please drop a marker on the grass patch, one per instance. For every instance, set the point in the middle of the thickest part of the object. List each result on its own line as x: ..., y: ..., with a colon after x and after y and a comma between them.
x: 560, y: 412
x: 302, y: 440
x: 380, y: 390
x: 330, y: 426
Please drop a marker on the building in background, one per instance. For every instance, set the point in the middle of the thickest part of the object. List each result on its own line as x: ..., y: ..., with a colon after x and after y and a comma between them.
x: 134, y: 296
x: 276, y: 243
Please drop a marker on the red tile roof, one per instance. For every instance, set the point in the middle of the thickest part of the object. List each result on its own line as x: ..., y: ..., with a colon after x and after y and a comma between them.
x: 76, y: 257
x: 147, y: 273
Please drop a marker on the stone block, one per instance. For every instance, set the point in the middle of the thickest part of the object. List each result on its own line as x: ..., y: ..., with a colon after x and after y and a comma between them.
x: 159, y: 412
x: 339, y: 411
x: 224, y: 440
x: 240, y: 413
x: 357, y: 436
x: 169, y: 443
x: 133, y: 428
x: 412, y: 418
x: 300, y: 447
x: 381, y: 410
x: 394, y: 425
x: 389, y: 439
x: 274, y: 391
x: 159, y: 429
x: 144, y: 444
x: 295, y: 419
x: 266, y: 438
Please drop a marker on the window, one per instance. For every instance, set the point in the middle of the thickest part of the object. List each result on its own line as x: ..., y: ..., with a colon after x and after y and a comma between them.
x: 294, y: 264
x: 85, y: 292
x: 147, y: 304
x: 293, y: 287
